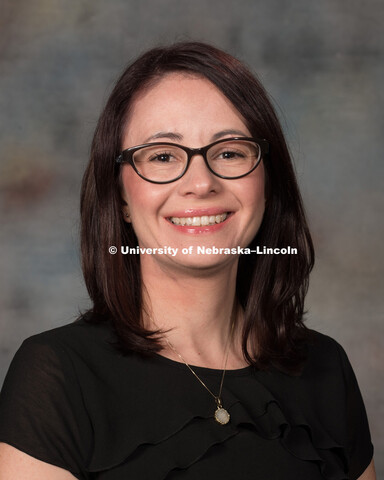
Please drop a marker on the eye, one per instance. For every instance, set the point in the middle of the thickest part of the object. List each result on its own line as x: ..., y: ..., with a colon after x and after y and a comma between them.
x: 230, y: 154
x: 232, y: 151
x: 163, y: 157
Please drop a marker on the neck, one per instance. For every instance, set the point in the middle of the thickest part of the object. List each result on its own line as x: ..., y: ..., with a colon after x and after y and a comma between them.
x: 196, y: 313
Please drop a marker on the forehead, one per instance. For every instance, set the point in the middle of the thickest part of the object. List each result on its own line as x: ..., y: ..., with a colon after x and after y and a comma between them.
x: 180, y: 102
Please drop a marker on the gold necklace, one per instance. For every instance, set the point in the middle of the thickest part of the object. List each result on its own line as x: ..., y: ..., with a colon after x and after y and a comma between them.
x: 222, y: 415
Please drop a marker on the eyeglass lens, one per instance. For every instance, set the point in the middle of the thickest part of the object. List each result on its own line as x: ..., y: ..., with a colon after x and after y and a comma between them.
x: 230, y: 159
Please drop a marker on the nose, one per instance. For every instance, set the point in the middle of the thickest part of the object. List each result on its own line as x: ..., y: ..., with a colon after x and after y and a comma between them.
x: 198, y: 180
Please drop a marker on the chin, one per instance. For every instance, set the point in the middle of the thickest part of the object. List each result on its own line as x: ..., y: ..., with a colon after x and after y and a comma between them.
x: 204, y: 262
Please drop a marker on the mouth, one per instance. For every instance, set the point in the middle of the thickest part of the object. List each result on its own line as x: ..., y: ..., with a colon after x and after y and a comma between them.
x: 203, y: 220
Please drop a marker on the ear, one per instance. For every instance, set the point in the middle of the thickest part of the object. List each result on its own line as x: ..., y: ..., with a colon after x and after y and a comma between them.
x: 125, y: 211
x: 126, y: 214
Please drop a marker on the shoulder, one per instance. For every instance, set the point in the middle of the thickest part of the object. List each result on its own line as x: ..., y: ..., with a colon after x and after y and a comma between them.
x: 72, y: 333
x: 42, y: 399
x: 55, y: 353
x: 323, y: 352
x: 320, y: 342
x: 326, y: 400
x: 327, y: 377
x: 76, y: 339
x: 65, y: 354
x: 337, y: 400
x: 87, y: 355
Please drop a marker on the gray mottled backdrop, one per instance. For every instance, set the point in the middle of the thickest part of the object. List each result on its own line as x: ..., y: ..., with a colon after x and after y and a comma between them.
x: 322, y: 61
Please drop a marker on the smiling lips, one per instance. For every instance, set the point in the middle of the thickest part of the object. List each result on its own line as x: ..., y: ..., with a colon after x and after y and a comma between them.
x: 203, y: 220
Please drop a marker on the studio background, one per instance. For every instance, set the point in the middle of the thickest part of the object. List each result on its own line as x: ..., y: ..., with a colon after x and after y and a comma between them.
x: 322, y: 62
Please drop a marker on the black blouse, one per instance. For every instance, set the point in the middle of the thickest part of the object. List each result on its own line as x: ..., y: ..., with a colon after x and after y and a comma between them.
x: 70, y: 399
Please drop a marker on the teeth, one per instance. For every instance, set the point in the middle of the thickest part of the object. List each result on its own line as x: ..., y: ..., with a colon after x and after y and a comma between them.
x: 199, y: 221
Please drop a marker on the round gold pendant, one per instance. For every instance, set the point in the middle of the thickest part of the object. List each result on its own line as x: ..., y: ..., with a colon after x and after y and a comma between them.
x: 222, y: 416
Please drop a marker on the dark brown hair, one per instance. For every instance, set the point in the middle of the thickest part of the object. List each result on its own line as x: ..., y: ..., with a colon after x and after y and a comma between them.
x: 271, y: 288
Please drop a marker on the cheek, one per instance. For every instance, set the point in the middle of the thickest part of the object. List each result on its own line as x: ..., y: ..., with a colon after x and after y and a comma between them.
x: 253, y: 198
x: 143, y: 198
x: 254, y: 191
x: 136, y: 192
x: 136, y: 197
x: 129, y: 184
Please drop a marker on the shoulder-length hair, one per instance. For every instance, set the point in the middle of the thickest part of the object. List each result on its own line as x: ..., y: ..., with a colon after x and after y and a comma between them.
x: 270, y: 288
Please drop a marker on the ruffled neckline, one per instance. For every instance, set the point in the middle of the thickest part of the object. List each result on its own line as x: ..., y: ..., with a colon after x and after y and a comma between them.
x: 238, y: 372
x: 273, y: 405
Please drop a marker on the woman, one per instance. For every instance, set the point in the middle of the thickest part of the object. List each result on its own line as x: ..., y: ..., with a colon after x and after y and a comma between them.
x: 194, y: 361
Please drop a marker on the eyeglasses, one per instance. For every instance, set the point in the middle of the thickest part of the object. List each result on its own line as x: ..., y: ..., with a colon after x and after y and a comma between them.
x: 162, y: 162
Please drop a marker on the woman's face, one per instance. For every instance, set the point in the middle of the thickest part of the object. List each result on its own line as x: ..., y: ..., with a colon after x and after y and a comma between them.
x: 191, y: 111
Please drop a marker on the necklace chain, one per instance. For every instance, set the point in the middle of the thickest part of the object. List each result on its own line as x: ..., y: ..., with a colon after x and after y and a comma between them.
x: 221, y: 415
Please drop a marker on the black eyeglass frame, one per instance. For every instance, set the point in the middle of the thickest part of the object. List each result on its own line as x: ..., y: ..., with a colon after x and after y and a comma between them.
x: 126, y: 156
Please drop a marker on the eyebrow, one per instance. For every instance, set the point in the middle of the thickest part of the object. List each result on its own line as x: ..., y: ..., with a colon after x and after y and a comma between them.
x: 178, y: 137
x: 170, y: 135
x: 229, y: 131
